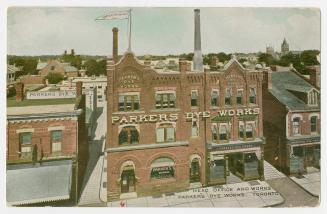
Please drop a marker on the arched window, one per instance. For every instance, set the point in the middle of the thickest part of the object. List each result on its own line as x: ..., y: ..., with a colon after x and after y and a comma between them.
x: 163, y: 167
x: 165, y: 133
x: 128, y: 135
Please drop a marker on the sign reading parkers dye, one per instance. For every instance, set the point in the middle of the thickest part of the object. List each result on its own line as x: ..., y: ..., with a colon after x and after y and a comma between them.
x: 30, y: 95
x: 188, y: 116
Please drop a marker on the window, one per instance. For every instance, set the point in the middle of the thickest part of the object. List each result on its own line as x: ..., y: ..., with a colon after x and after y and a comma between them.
x: 128, y: 135
x: 52, y: 68
x: 214, y: 131
x: 25, y: 138
x: 100, y: 86
x: 163, y: 167
x: 223, y: 132
x: 128, y: 102
x: 228, y: 96
x: 215, y: 98
x: 165, y: 133
x: 99, y: 96
x: 194, y: 98
x: 252, y: 97
x: 313, y: 98
x: 239, y: 97
x: 296, y: 125
x: 220, y: 132
x: 165, y: 100
x: 56, y: 140
x: 241, y: 130
x: 195, y: 128
x: 249, y: 130
x: 246, y: 130
x: 313, y: 123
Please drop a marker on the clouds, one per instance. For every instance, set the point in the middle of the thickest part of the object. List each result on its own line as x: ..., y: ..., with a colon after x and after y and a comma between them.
x: 34, y: 31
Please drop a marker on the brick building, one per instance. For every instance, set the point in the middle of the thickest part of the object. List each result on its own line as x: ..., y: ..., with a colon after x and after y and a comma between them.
x: 58, y: 67
x: 40, y: 131
x: 168, y: 131
x: 291, y: 108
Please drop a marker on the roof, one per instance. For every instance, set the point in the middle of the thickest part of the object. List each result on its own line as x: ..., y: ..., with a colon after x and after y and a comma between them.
x: 283, y: 82
x: 69, y: 68
x: 11, y: 102
x: 12, y: 69
x: 27, y: 184
x: 41, y: 65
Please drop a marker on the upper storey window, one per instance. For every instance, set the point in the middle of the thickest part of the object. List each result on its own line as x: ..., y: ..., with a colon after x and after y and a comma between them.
x: 313, y: 98
x: 252, y: 96
x: 194, y: 98
x: 296, y: 126
x: 215, y: 98
x: 228, y: 96
x: 165, y: 133
x: 313, y: 123
x: 165, y: 100
x: 239, y: 97
x: 128, y: 135
x: 129, y: 102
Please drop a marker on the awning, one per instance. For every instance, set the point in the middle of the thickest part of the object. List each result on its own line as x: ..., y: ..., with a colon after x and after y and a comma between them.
x: 28, y: 184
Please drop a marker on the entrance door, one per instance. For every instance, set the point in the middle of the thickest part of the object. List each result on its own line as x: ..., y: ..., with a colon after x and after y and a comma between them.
x: 195, y: 170
x: 309, y: 156
x: 127, y: 181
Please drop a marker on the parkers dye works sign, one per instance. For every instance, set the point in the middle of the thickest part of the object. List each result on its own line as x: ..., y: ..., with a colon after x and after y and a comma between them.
x: 145, y: 118
x: 37, y: 95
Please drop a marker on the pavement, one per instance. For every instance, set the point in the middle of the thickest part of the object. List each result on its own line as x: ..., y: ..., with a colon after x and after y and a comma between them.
x: 309, y: 182
x: 92, y: 185
x: 254, y: 193
x: 271, y: 172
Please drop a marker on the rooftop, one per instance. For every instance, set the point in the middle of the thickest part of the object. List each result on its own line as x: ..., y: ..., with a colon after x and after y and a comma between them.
x: 27, y: 184
x: 11, y: 102
x: 283, y: 82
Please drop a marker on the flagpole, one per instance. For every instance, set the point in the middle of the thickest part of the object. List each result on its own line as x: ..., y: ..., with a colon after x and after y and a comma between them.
x: 130, y: 30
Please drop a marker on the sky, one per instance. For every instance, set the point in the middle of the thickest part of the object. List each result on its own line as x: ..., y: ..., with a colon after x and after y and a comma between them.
x: 159, y: 31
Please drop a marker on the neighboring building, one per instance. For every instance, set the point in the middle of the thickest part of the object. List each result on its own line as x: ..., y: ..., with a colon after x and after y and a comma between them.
x: 41, y: 134
x: 59, y: 67
x: 314, y: 72
x: 270, y: 50
x: 291, y: 108
x: 11, y: 73
x: 98, y: 83
x: 285, y: 48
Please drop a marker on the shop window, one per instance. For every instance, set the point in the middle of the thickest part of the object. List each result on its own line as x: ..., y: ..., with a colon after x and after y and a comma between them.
x: 215, y: 98
x: 56, y: 140
x: 165, y: 100
x: 128, y: 102
x: 296, y: 125
x: 163, y: 167
x: 252, y: 97
x: 165, y: 133
x: 194, y: 98
x: 228, y: 96
x: 195, y: 128
x: 239, y: 97
x: 313, y: 123
x: 128, y: 135
x: 298, y: 151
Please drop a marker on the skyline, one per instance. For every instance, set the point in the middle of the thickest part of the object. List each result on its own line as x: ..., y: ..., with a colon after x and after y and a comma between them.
x: 160, y: 31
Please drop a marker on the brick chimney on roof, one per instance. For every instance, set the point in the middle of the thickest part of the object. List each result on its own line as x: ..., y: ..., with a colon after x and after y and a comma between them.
x: 197, y: 58
x: 19, y: 91
x: 115, y: 44
x: 79, y: 87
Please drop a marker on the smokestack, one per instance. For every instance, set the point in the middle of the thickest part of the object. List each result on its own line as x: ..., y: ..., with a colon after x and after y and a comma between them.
x: 197, y: 58
x: 79, y: 87
x: 115, y: 44
x: 19, y: 91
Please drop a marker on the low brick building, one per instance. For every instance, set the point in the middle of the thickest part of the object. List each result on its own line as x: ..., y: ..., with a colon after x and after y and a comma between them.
x: 58, y: 67
x: 291, y: 108
x: 44, y: 130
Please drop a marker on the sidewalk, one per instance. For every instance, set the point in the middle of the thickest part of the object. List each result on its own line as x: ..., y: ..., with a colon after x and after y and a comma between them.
x: 309, y: 182
x: 271, y: 172
x: 254, y: 193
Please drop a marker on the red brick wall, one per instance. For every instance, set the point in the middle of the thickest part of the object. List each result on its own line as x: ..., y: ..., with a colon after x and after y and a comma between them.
x: 42, y: 135
x: 32, y: 79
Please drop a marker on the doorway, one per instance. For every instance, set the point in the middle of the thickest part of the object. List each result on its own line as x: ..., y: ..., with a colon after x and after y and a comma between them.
x: 128, y: 180
x: 195, y: 170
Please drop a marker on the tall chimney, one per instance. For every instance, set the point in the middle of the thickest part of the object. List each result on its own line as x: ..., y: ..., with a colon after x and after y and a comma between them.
x: 115, y: 44
x: 197, y: 58
x: 79, y: 86
x: 19, y: 91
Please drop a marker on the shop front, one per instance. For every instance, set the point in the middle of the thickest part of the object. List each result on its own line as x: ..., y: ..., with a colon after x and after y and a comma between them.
x: 246, y: 164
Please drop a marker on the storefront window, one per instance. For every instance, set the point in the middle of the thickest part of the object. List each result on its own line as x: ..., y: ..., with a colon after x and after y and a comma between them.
x: 165, y: 100
x: 214, y: 98
x: 228, y: 96
x: 128, y: 102
x: 194, y: 98
x: 252, y: 97
x: 239, y: 97
x: 296, y: 125
x: 165, y: 133
x: 128, y: 135
x: 163, y: 167
x: 313, y: 122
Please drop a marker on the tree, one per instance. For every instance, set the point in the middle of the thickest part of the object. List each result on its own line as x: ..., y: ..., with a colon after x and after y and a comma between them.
x: 267, y: 58
x: 54, y: 77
